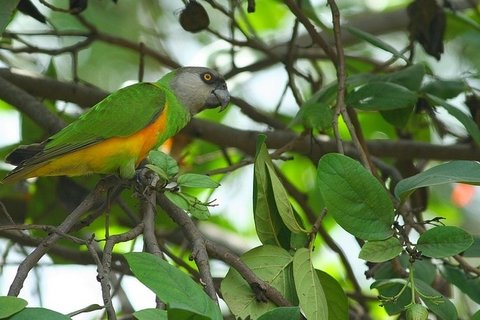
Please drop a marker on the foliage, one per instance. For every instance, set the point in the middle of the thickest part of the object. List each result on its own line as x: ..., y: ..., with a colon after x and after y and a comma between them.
x: 365, y: 134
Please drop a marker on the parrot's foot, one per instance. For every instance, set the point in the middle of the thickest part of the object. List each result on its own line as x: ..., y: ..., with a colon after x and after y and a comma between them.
x: 145, y: 178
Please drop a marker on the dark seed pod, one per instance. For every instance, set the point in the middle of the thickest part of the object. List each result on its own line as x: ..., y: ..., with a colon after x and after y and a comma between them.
x: 194, y: 17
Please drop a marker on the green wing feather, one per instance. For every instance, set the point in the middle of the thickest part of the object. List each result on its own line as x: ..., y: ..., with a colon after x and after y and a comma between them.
x: 121, y: 114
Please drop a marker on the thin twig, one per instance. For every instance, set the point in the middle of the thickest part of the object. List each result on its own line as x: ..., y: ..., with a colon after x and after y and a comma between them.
x: 32, y: 259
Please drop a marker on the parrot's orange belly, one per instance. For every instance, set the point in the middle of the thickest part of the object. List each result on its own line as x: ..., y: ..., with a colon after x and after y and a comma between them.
x: 108, y: 155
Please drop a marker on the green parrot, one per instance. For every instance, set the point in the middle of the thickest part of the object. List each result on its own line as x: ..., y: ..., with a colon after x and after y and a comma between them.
x: 116, y: 134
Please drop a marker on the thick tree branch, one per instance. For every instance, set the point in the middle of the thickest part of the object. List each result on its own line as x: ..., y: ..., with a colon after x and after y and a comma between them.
x: 230, y: 137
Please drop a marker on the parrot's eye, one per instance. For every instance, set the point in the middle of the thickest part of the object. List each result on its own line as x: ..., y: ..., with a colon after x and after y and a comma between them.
x: 207, y: 77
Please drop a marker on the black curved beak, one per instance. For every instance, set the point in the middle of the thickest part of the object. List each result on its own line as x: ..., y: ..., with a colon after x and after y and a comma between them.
x: 219, y: 97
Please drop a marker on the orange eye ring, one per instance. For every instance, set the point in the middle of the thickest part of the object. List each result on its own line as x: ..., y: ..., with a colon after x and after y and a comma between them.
x: 207, y: 77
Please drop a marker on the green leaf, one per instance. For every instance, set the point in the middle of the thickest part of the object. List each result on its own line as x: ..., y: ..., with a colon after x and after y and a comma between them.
x: 476, y: 315
x: 445, y: 89
x: 417, y: 312
x: 467, y: 121
x: 376, y: 96
x: 161, y: 173
x: 194, y: 180
x: 315, y: 115
x: 466, y: 283
x: 273, y: 265
x: 381, y: 250
x: 355, y: 199
x: 189, y: 203
x: 474, y: 250
x: 178, y: 200
x: 268, y: 224
x: 171, y: 285
x: 6, y: 14
x: 390, y: 288
x: 375, y: 41
x: 273, y: 214
x: 450, y: 172
x: 11, y: 305
x: 38, y: 314
x: 164, y: 162
x: 336, y: 298
x: 282, y: 313
x: 282, y: 203
x: 437, y: 303
x: 309, y: 289
x: 151, y: 314
x: 425, y: 270
x: 444, y: 241
x: 410, y: 77
x: 398, y: 117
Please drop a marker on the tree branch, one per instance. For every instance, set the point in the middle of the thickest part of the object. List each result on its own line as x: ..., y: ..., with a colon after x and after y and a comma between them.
x: 197, y: 241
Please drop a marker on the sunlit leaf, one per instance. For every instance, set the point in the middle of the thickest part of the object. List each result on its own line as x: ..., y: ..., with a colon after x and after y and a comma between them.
x: 194, y: 180
x: 309, y: 289
x: 11, y: 305
x: 444, y: 241
x: 450, y: 172
x: 355, y: 199
x: 164, y: 162
x: 273, y: 265
x: 38, y: 314
x: 380, y: 250
x: 171, y: 285
x: 337, y: 300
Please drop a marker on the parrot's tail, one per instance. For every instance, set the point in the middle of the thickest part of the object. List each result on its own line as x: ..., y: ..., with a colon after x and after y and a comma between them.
x: 23, y: 153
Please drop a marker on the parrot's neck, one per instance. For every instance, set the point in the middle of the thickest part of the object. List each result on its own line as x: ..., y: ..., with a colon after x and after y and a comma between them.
x: 177, y: 117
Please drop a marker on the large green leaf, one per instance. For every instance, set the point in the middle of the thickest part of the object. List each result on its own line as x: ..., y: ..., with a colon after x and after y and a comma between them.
x: 171, y: 285
x: 467, y: 121
x: 273, y: 265
x: 11, y: 305
x: 165, y: 162
x: 445, y: 89
x: 309, y: 289
x: 271, y: 205
x: 380, y: 250
x: 381, y: 96
x: 437, y: 303
x: 410, y: 77
x: 38, y: 314
x: 355, y: 199
x: 454, y: 171
x: 444, y: 241
x: 337, y: 300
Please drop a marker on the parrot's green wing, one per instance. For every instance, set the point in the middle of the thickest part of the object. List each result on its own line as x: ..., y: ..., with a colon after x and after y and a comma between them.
x: 121, y: 114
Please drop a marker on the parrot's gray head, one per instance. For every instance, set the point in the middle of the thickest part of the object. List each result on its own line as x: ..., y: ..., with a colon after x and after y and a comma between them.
x: 200, y: 88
